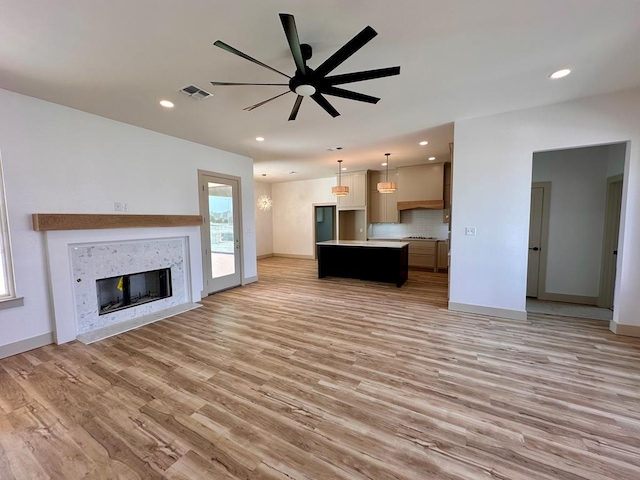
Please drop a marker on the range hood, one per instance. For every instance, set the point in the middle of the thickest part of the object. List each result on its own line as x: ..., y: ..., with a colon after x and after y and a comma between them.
x: 421, y: 205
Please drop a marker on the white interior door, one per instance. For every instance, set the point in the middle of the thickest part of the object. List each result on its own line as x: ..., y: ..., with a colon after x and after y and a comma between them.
x: 535, y: 240
x: 220, y: 207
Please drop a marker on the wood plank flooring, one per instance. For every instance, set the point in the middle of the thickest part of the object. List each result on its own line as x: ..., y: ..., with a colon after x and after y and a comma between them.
x: 299, y: 378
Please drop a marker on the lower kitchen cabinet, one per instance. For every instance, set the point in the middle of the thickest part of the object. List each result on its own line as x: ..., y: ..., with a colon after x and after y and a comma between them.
x: 422, y: 254
x: 443, y: 255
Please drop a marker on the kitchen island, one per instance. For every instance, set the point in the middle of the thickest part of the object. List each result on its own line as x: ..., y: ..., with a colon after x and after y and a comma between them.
x: 377, y: 261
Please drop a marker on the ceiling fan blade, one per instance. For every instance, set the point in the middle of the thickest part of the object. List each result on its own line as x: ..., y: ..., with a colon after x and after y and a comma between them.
x: 348, y: 49
x: 290, y: 30
x: 341, y: 92
x: 360, y: 76
x: 231, y: 84
x: 230, y: 49
x: 265, y: 101
x: 324, y: 103
x: 296, y: 107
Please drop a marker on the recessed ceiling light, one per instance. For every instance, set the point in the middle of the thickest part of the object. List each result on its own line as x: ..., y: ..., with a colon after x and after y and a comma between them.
x: 560, y: 74
x: 432, y: 158
x: 384, y: 164
x: 423, y: 143
x: 166, y: 103
x: 260, y: 139
x: 292, y: 172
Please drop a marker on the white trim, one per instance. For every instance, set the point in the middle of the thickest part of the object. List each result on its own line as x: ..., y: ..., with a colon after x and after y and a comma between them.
x: 5, y: 236
x: 490, y: 311
x: 266, y: 255
x: 294, y: 255
x: 624, y: 330
x: 26, y: 345
x: 7, y: 303
x: 248, y: 280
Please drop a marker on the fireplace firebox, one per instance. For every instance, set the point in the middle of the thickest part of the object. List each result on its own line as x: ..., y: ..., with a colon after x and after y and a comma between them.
x: 126, y: 291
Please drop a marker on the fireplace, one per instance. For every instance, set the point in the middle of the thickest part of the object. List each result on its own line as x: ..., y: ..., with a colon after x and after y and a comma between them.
x: 126, y: 291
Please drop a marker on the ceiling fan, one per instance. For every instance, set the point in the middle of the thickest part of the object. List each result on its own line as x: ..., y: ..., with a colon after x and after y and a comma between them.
x: 308, y: 82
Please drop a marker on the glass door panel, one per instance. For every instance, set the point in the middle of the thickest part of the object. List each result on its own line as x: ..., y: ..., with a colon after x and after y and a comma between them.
x: 221, y: 239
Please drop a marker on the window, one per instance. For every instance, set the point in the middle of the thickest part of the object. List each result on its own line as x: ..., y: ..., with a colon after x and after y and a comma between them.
x: 7, y: 282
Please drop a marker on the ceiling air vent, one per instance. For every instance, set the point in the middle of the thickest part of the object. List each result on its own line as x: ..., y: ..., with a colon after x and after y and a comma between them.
x: 195, y: 92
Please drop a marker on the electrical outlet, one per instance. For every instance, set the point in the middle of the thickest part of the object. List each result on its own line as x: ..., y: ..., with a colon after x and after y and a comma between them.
x: 125, y: 207
x: 117, y: 206
x: 470, y: 231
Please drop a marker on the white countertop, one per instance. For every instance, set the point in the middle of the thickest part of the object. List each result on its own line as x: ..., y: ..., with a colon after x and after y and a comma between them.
x: 409, y: 239
x: 361, y: 243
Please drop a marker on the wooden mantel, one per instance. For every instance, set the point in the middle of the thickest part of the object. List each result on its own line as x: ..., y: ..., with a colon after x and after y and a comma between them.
x: 43, y: 222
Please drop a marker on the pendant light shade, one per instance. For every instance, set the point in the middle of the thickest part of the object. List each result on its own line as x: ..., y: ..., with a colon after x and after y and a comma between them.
x: 386, y: 186
x: 340, y: 190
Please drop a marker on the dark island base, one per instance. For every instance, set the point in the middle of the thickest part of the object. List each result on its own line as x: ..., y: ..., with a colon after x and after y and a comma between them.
x: 390, y: 265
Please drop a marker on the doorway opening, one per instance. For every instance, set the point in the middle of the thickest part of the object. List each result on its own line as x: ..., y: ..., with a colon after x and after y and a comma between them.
x: 221, y: 233
x: 576, y: 198
x: 324, y: 224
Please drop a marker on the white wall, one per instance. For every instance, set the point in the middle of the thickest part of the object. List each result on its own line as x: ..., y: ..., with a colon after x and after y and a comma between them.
x: 60, y: 160
x: 264, y: 221
x: 578, y: 179
x: 491, y: 191
x: 293, y: 214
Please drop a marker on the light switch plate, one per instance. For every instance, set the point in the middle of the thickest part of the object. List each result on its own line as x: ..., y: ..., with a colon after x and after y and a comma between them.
x: 470, y: 231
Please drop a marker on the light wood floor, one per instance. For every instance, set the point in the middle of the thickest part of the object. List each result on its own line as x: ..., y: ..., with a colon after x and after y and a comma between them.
x: 300, y: 378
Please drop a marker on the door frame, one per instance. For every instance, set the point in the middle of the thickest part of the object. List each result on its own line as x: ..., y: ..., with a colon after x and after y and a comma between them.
x: 544, y: 238
x: 204, y: 235
x: 607, y: 245
x: 313, y: 223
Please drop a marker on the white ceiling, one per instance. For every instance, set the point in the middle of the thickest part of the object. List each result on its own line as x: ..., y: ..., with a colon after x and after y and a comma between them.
x: 459, y: 59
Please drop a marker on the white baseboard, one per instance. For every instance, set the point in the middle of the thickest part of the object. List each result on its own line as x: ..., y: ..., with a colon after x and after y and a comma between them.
x: 248, y: 280
x: 624, y: 330
x: 490, y: 311
x: 266, y: 255
x: 561, y: 297
x: 26, y: 345
x: 293, y: 255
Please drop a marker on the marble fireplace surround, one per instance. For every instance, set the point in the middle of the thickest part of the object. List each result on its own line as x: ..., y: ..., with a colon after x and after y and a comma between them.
x: 63, y: 245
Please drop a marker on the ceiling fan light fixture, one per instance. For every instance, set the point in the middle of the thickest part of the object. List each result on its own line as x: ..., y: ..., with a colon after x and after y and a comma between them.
x: 340, y: 190
x: 305, y: 90
x: 386, y: 186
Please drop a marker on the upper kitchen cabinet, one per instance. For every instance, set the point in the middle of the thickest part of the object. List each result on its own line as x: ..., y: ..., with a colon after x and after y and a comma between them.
x: 421, y: 186
x: 357, y: 197
x: 383, y: 207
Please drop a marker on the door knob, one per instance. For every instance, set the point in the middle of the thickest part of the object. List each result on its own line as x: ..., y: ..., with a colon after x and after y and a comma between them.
x: 535, y: 249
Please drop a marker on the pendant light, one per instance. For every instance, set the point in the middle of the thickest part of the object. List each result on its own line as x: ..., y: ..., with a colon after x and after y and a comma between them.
x: 387, y: 186
x: 340, y: 190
